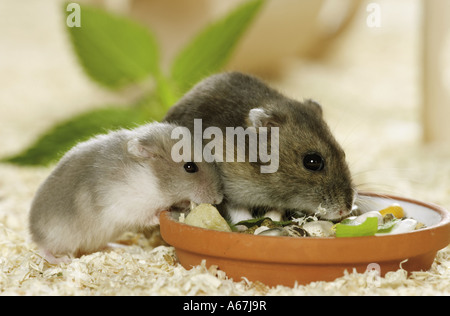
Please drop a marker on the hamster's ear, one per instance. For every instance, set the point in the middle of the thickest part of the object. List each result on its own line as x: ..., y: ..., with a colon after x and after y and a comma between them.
x: 259, y: 117
x: 137, y: 149
x: 314, y: 105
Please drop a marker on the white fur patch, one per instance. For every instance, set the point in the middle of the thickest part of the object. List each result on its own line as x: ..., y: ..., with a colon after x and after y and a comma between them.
x: 239, y: 214
x: 136, y: 201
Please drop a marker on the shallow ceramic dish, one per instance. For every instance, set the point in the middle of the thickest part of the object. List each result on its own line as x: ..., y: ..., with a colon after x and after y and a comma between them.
x: 285, y: 260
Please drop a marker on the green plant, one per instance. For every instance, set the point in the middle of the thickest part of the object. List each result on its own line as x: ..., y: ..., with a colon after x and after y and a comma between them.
x: 117, y: 52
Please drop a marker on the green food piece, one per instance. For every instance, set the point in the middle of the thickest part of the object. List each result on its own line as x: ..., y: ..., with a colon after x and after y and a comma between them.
x: 207, y: 216
x: 258, y: 222
x: 252, y: 222
x: 368, y: 228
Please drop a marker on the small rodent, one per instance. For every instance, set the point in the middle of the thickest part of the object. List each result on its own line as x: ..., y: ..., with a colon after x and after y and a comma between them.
x: 113, y: 183
x: 312, y: 177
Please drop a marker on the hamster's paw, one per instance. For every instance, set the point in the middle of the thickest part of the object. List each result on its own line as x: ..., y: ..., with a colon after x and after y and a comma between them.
x: 116, y: 245
x: 50, y: 258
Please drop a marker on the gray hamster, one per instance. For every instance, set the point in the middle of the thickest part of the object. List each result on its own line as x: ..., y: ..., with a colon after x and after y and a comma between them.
x: 113, y: 183
x: 312, y: 174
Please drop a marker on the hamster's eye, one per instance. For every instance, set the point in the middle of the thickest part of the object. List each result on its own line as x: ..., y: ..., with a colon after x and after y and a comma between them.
x: 313, y: 162
x: 190, y: 167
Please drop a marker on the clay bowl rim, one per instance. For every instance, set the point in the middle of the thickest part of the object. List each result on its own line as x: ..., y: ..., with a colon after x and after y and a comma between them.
x: 311, y: 250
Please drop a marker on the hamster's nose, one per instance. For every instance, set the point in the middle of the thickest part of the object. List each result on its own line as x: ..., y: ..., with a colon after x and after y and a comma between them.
x: 344, y: 213
x: 218, y: 199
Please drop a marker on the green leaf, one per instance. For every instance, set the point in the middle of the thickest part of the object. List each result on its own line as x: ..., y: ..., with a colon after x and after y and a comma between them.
x: 55, y: 142
x: 258, y: 221
x: 113, y: 50
x: 368, y: 228
x: 166, y: 92
x: 209, y: 51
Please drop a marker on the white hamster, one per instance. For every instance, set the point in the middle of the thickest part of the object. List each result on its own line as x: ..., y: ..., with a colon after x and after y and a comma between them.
x: 113, y: 183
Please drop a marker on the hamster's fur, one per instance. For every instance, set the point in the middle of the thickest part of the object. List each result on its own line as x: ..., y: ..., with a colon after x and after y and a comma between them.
x: 235, y: 99
x: 113, y: 183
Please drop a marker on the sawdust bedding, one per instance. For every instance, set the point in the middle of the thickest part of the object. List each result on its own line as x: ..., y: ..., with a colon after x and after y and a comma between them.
x: 143, y: 266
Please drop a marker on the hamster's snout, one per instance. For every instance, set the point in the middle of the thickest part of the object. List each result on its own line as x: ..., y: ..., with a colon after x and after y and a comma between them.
x: 207, y: 196
x: 334, y: 215
x: 340, y: 211
x: 342, y: 199
x: 218, y: 198
x: 343, y: 214
x: 334, y: 206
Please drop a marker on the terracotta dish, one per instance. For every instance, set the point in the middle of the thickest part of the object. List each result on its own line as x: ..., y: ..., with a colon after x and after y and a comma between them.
x: 285, y: 260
